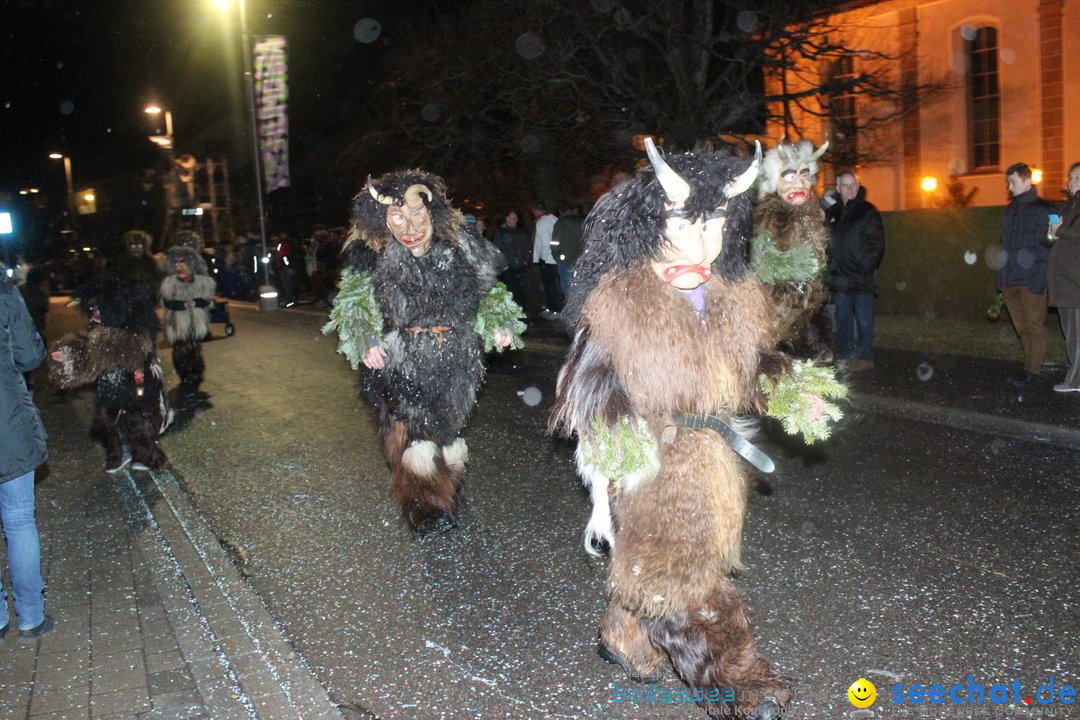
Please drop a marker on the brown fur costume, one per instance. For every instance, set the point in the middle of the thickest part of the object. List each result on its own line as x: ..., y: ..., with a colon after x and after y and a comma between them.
x: 644, y: 353
x: 127, y: 412
x: 664, y: 602
x: 800, y: 322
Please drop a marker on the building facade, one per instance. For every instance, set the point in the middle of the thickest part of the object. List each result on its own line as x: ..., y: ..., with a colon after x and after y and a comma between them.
x: 999, y: 83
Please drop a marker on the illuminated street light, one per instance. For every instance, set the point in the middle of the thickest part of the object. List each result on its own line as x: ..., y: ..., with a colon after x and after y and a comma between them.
x: 1036, y: 175
x: 70, y: 189
x: 165, y: 141
x: 929, y: 184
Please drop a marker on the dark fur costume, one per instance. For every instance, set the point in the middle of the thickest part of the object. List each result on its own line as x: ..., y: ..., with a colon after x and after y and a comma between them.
x: 427, y: 390
x: 641, y: 351
x: 802, y: 326
x: 185, y: 327
x: 119, y: 355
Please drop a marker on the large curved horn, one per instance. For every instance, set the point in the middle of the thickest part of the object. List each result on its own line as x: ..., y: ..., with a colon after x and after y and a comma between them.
x: 676, y: 189
x: 820, y: 151
x: 382, y: 199
x: 781, y: 152
x: 414, y: 191
x: 742, y: 183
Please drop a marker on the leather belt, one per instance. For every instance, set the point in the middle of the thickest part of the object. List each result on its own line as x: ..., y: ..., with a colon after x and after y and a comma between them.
x: 746, y: 449
x: 436, y: 330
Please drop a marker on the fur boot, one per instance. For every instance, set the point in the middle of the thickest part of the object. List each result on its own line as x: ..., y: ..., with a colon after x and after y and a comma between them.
x: 424, y: 485
x: 142, y: 435
x: 625, y: 642
x: 188, y: 360
x: 107, y: 428
x: 713, y: 647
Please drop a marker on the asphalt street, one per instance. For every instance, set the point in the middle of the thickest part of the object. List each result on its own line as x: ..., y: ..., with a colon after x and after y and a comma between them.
x: 908, y: 549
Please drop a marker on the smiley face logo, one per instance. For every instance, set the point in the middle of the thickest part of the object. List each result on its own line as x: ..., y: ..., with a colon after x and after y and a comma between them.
x: 862, y: 693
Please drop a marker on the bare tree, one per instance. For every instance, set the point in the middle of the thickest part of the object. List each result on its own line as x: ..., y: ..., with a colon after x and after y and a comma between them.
x: 516, y: 100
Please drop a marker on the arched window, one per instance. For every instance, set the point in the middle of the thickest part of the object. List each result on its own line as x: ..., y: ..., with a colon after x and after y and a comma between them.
x: 843, y: 112
x: 984, y: 99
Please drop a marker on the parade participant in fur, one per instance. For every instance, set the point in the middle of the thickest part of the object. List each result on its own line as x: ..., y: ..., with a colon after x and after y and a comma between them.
x: 116, y: 351
x: 671, y: 341
x: 136, y: 265
x: 418, y: 306
x: 788, y: 252
x: 186, y: 293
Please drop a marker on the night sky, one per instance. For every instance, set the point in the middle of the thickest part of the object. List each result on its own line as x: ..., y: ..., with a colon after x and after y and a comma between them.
x: 78, y: 73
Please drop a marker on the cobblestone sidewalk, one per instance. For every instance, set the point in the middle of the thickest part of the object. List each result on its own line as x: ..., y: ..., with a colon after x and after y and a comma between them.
x: 152, y: 619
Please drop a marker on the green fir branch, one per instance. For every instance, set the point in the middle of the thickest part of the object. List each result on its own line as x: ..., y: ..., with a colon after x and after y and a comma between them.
x: 355, y: 316
x: 627, y: 448
x: 774, y: 266
x: 498, y: 311
x: 793, y: 396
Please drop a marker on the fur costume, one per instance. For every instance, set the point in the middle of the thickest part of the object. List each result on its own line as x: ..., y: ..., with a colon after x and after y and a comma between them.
x: 801, y: 324
x: 433, y: 314
x: 667, y: 499
x: 187, y: 318
x: 788, y: 251
x: 116, y: 351
x: 136, y: 265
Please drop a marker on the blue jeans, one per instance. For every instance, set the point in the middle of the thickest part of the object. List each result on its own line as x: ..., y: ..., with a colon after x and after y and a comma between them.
x: 24, y: 552
x: 854, y: 324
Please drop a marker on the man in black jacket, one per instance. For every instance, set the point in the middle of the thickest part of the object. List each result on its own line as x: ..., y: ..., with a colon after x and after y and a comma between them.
x: 1021, y: 275
x: 856, y: 247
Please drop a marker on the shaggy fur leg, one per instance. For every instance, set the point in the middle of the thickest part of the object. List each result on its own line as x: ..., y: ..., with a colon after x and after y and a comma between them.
x: 188, y: 360
x: 142, y: 431
x: 108, y: 429
x: 424, y: 486
x: 625, y: 642
x: 456, y: 454
x: 713, y: 647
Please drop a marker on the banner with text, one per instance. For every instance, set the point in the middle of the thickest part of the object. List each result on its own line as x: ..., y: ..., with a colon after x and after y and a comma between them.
x: 271, y: 94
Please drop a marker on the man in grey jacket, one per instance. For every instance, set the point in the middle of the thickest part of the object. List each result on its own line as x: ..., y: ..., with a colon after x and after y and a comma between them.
x: 22, y: 449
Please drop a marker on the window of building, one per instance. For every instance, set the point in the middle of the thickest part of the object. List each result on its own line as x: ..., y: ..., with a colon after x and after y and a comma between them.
x: 984, y: 99
x: 842, y: 110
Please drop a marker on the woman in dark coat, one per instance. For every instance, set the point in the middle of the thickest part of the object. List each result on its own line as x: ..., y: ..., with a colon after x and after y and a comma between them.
x: 22, y: 449
x: 1063, y: 278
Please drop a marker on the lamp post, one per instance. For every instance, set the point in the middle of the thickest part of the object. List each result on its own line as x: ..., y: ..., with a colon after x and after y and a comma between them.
x: 72, y: 224
x: 268, y: 295
x: 172, y: 191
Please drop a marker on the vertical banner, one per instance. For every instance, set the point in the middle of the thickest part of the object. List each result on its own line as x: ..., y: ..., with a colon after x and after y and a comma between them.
x: 271, y: 92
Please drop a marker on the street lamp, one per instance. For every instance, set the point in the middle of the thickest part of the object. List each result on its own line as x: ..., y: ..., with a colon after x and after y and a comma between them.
x: 165, y: 141
x: 268, y: 295
x: 70, y: 189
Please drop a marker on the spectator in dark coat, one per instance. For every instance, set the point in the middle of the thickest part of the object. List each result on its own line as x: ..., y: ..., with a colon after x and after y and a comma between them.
x: 1063, y: 278
x: 856, y: 247
x: 35, y: 292
x: 513, y: 242
x: 566, y: 243
x: 1021, y: 275
x: 22, y: 449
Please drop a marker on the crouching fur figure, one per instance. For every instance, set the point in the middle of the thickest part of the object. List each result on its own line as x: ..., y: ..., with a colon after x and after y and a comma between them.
x: 418, y: 306
x: 788, y: 251
x: 116, y: 351
x: 670, y: 334
x: 186, y: 293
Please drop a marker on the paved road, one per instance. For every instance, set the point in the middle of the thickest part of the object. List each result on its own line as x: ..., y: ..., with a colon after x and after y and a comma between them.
x: 904, y: 551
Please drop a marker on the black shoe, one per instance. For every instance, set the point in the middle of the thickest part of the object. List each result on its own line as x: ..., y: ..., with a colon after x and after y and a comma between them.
x: 615, y: 658
x: 31, y: 635
x: 767, y: 710
x: 3, y: 631
x: 1025, y: 379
